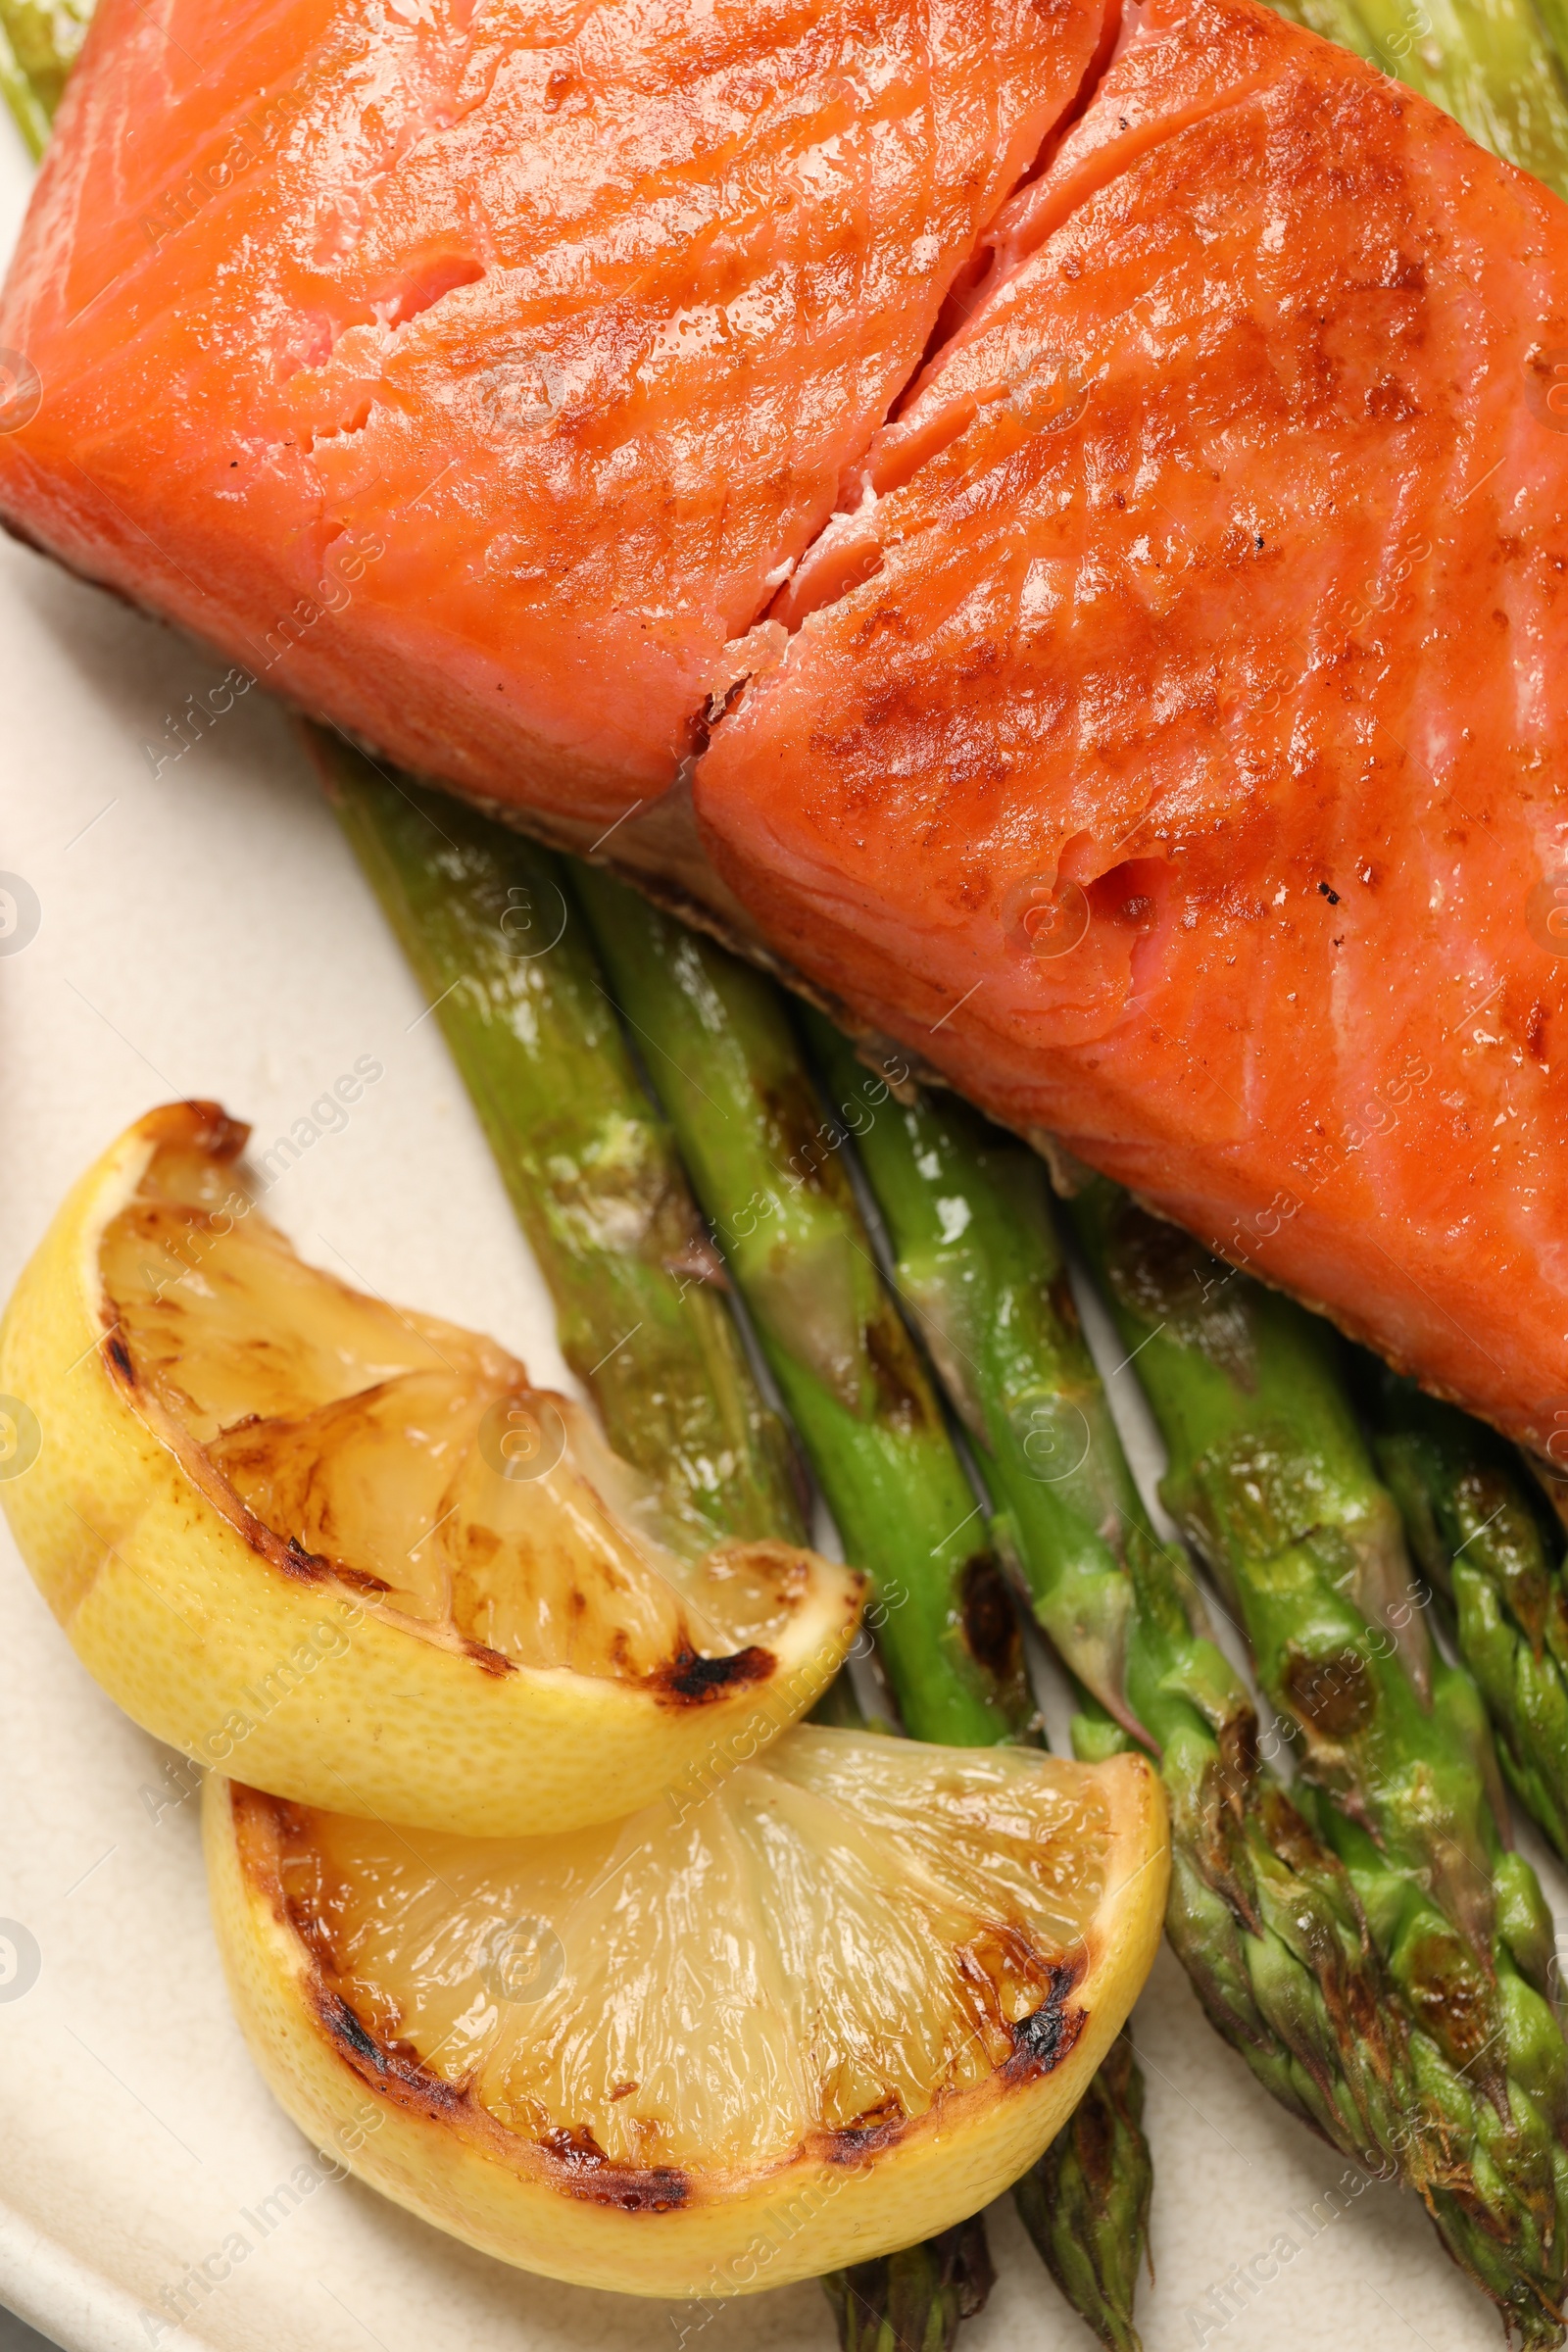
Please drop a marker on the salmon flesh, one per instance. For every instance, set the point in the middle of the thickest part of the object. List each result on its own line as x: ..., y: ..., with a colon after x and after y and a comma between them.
x: 1049, y: 521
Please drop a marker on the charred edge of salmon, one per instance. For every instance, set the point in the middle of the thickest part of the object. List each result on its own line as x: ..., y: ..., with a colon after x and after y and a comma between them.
x: 689, y: 1681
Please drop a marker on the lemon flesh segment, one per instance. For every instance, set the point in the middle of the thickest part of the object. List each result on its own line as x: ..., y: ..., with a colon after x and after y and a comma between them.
x: 349, y: 1551
x: 833, y: 2007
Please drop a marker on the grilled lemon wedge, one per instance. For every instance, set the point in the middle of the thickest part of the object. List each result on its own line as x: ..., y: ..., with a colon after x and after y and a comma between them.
x: 825, y: 2009
x: 352, y: 1552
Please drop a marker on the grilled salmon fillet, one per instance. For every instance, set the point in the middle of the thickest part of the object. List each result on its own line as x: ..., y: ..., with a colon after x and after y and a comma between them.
x: 1075, y: 502
x: 1173, y: 745
x: 474, y: 373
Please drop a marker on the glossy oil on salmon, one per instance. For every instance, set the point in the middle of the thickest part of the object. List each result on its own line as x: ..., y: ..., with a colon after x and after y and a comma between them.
x: 1074, y: 504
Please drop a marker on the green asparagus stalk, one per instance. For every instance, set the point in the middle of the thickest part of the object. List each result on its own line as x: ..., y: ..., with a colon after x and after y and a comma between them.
x: 728, y: 1070
x: 38, y: 44
x: 1086, y: 2203
x: 1482, y: 1536
x: 1264, y: 1916
x: 1272, y: 1481
x: 914, y: 2302
x: 1338, y: 20
x: 1554, y: 16
x: 592, y: 1171
x: 781, y: 1201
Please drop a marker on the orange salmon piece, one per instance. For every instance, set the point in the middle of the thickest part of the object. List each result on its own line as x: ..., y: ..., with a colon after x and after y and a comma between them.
x: 1172, y: 747
x: 474, y: 373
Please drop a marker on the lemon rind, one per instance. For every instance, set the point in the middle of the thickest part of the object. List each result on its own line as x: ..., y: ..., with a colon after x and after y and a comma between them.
x: 216, y: 1644
x: 442, y: 2157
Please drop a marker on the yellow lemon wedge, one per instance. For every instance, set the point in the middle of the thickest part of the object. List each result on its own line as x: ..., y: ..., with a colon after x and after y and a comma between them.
x: 351, y: 1551
x: 819, y: 2012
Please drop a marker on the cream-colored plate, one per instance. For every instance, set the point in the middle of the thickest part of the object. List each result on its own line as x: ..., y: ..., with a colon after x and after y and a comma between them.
x: 204, y: 931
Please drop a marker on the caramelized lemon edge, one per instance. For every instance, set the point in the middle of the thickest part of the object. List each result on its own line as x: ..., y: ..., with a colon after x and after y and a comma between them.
x: 674, y: 2231
x: 218, y: 1636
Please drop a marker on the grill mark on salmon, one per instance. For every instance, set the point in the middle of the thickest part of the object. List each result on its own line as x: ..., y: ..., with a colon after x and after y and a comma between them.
x: 921, y: 427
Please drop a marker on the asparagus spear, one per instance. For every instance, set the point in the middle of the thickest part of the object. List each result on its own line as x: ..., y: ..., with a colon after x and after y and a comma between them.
x: 591, y: 1169
x: 1085, y: 2202
x: 728, y: 1070
x: 1265, y: 1919
x: 1337, y: 20
x: 38, y: 44
x: 781, y: 1200
x: 1554, y: 22
x: 1272, y: 1482
x: 914, y: 2302
x: 1484, y: 1539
